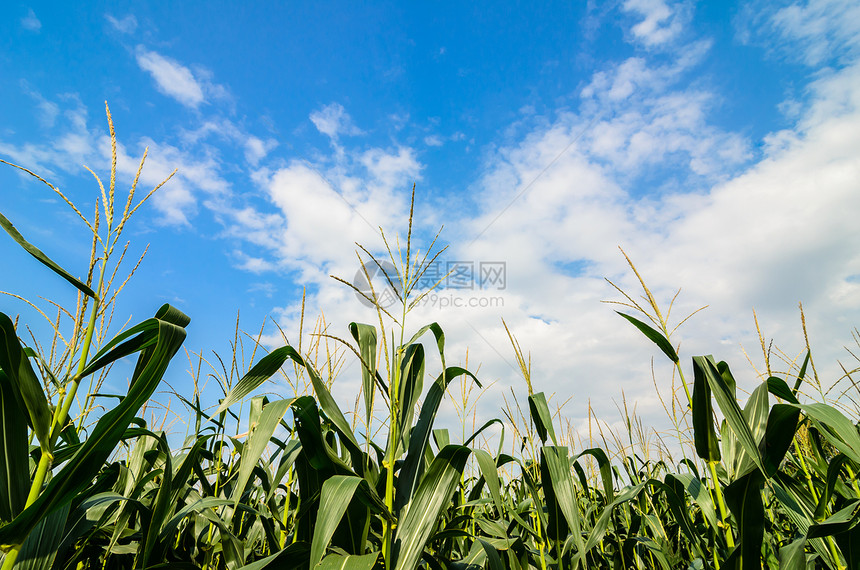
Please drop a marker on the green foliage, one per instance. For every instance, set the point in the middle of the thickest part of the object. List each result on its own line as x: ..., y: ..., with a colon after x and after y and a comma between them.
x: 774, y: 484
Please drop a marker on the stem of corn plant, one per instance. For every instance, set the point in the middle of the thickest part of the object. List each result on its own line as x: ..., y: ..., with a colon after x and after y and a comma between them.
x: 394, y: 400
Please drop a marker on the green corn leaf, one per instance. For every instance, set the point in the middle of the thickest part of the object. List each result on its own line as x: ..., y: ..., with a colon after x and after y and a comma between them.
x: 704, y: 434
x: 14, y: 455
x: 411, y: 385
x: 700, y: 494
x: 259, y: 373
x: 837, y: 428
x: 26, y: 388
x: 705, y: 367
x: 268, y: 422
x: 413, y: 466
x: 85, y: 517
x: 335, y: 496
x: 834, y: 469
x: 598, y: 531
x: 541, y: 417
x: 841, y: 521
x: 654, y: 336
x: 85, y: 464
x: 779, y: 433
x: 365, y: 336
x: 756, y: 416
x: 743, y: 497
x: 796, y: 504
x: 561, y: 504
x: 673, y: 489
x: 353, y: 562
x: 756, y: 411
x: 793, y: 556
x: 780, y: 389
x: 431, y: 498
x: 493, y: 559
x: 295, y: 555
x: 849, y: 545
x: 488, y: 468
x: 605, y: 470
x: 269, y: 365
x: 801, y: 374
x: 438, y: 334
x: 199, y: 506
x: 160, y: 508
x: 37, y: 253
x: 40, y: 549
x: 486, y: 425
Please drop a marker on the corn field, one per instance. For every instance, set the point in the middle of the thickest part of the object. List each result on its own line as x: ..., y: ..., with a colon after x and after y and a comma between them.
x: 267, y: 482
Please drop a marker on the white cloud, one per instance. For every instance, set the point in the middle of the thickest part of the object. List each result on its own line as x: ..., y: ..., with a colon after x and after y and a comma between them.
x: 661, y: 23
x: 171, y: 78
x: 256, y: 149
x: 763, y: 235
x: 125, y: 25
x: 48, y: 110
x: 780, y: 231
x: 31, y: 22
x: 814, y: 32
x: 822, y: 28
x: 332, y: 120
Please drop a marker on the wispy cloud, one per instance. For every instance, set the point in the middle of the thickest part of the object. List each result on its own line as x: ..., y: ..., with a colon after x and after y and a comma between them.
x: 810, y: 31
x: 124, y: 25
x: 171, y: 78
x: 333, y: 121
x: 661, y: 22
x: 31, y: 22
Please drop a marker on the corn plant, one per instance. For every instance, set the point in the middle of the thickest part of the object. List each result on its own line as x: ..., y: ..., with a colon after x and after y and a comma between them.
x: 272, y: 480
x: 35, y: 504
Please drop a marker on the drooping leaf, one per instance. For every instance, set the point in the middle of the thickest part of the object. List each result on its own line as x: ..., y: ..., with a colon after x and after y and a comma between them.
x: 264, y: 369
x: 654, y: 336
x: 541, y: 417
x: 14, y: 456
x: 779, y: 433
x: 365, y: 336
x: 25, y: 386
x: 605, y: 467
x: 47, y: 261
x: 838, y: 429
x: 841, y: 521
x: 83, y: 466
x: 704, y: 433
x: 707, y: 368
x: 700, y: 494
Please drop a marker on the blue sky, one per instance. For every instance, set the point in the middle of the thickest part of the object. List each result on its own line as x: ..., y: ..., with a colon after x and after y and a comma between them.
x: 717, y: 143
